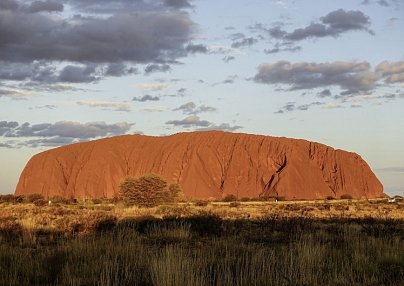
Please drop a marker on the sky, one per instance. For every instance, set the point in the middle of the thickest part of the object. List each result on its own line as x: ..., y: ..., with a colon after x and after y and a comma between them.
x: 324, y: 71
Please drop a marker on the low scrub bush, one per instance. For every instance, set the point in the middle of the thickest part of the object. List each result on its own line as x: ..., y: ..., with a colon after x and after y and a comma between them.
x: 346, y: 197
x: 205, y: 224
x: 229, y: 198
x: 62, y: 200
x: 11, y: 199
x: 40, y: 202
x: 201, y: 203
x: 105, y: 224
x: 33, y: 197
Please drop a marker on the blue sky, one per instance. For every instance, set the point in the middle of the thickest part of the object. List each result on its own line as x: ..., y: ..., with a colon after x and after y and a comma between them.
x: 326, y: 71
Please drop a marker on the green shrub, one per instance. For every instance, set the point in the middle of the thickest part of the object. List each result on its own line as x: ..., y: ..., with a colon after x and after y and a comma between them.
x: 148, y: 191
x: 63, y: 200
x: 346, y: 197
x: 205, y: 224
x: 33, y: 197
x: 201, y: 203
x: 229, y: 198
x: 10, y: 199
x: 105, y: 224
x: 97, y: 201
x: 40, y: 202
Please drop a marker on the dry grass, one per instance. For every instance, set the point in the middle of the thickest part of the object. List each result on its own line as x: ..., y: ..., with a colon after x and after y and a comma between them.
x: 82, y: 217
x: 234, y: 243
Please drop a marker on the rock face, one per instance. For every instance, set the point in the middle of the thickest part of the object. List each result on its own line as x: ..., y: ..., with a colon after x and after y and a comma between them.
x: 205, y: 164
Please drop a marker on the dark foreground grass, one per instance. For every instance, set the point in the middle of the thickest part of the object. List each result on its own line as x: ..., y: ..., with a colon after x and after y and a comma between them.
x: 206, y: 250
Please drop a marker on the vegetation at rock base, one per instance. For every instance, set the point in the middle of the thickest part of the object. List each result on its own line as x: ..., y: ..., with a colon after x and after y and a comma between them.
x: 148, y: 190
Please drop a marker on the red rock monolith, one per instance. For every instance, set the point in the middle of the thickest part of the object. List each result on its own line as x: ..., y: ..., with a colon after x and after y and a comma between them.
x: 208, y: 164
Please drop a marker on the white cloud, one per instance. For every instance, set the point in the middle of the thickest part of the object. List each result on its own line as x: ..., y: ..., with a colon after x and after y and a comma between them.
x: 153, y: 86
x: 15, y: 94
x: 107, y: 105
x: 154, y: 109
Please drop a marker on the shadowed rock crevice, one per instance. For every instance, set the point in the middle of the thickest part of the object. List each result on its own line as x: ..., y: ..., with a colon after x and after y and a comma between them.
x: 270, y: 186
x: 205, y: 164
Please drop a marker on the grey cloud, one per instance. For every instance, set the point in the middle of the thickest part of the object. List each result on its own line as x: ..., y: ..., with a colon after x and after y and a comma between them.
x: 227, y: 59
x: 119, y: 69
x: 49, y: 142
x: 333, y: 24
x: 190, y: 121
x: 37, y: 71
x: 383, y: 3
x: 237, y: 36
x: 199, y: 48
x: 192, y: 108
x: 48, y: 6
x: 47, y: 73
x: 313, y: 30
x: 324, y: 93
x: 46, y: 106
x: 8, y: 5
x: 182, y: 90
x: 392, y: 72
x: 205, y: 108
x: 277, y: 32
x: 291, y: 106
x: 186, y: 107
x: 145, y: 98
x: 152, y: 36
x: 351, y: 76
x: 78, y: 74
x: 50, y: 87
x: 68, y: 129
x: 283, y: 47
x: 177, y: 3
x: 303, y: 107
x: 340, y: 21
x: 246, y: 42
x: 6, y: 145
x: 7, y: 126
x: 222, y: 127
x: 107, y: 6
x: 229, y: 80
x: 156, y: 68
